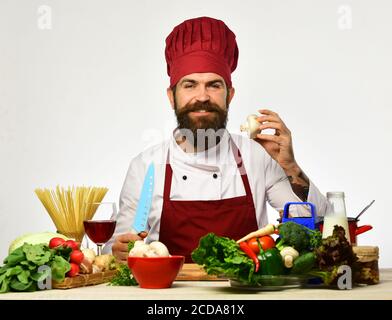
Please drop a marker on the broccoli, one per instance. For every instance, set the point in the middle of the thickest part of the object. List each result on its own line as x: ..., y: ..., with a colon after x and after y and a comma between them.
x: 298, y: 236
x: 315, y: 238
x: 294, y: 235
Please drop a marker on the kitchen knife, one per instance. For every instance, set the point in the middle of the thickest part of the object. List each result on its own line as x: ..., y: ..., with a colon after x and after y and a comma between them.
x: 144, y: 205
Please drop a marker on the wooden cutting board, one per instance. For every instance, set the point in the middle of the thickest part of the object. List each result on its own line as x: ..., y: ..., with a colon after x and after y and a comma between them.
x: 83, y: 280
x: 194, y: 272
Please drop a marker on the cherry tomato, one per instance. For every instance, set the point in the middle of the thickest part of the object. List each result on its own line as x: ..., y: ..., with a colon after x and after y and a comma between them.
x: 74, y: 270
x: 267, y: 242
x: 76, y: 256
x: 252, y: 243
x: 55, y: 242
x: 72, y: 244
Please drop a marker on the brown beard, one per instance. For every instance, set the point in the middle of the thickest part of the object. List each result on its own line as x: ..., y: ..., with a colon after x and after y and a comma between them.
x: 215, y: 121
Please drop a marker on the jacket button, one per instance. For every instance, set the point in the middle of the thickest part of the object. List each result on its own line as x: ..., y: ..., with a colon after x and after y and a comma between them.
x: 215, y: 175
x: 184, y: 177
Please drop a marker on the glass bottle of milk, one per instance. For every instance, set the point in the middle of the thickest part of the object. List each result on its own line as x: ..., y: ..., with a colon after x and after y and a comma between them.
x: 336, y: 214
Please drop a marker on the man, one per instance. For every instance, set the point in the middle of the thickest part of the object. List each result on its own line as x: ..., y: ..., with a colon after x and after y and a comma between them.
x: 206, y: 179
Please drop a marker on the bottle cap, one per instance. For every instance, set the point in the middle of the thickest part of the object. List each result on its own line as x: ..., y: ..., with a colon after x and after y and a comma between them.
x: 335, y: 194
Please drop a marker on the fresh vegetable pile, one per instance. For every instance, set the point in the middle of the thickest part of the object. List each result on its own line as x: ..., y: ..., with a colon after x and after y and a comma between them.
x: 20, y: 272
x: 73, y: 255
x: 299, y: 251
x: 38, y: 258
x: 83, y: 261
x: 24, y: 268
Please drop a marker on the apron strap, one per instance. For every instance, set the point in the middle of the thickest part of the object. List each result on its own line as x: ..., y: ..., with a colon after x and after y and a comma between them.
x: 241, y: 168
x: 238, y: 160
x: 168, y: 178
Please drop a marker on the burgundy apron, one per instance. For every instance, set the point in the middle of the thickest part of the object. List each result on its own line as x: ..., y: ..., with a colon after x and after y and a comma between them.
x: 183, y: 223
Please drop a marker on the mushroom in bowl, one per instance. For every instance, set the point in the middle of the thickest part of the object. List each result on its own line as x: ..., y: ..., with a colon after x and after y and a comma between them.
x: 152, y: 265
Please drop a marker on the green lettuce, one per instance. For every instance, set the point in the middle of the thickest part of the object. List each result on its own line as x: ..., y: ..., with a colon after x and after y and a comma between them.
x: 37, y: 254
x: 59, y: 267
x: 222, y: 256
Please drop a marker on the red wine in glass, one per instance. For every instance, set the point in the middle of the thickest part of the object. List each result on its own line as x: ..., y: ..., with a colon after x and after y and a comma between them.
x: 101, y: 229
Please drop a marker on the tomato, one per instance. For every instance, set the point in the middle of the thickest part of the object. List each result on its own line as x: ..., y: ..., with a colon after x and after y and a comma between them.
x: 74, y: 270
x: 55, y: 242
x: 252, y: 243
x: 72, y: 244
x: 76, y: 256
x: 267, y: 242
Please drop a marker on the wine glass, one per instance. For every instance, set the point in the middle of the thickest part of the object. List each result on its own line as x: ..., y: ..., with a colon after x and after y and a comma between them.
x: 101, y: 227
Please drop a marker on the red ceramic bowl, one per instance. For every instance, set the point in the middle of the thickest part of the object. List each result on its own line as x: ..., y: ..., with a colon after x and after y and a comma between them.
x: 155, y: 272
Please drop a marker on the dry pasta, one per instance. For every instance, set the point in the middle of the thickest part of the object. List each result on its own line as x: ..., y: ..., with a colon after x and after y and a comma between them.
x: 68, y: 208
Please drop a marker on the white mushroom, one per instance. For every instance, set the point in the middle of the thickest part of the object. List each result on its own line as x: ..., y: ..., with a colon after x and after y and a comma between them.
x: 159, y: 248
x: 139, y: 250
x: 151, y: 253
x: 138, y: 243
x: 105, y: 262
x: 86, y: 265
x: 289, y: 254
x: 154, y: 249
x: 97, y: 269
x: 252, y: 126
x: 89, y: 254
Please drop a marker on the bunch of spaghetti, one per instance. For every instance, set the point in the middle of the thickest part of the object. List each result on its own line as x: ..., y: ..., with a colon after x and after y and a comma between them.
x: 68, y: 208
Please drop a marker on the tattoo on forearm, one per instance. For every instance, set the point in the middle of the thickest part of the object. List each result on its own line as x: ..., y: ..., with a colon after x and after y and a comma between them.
x: 300, y: 185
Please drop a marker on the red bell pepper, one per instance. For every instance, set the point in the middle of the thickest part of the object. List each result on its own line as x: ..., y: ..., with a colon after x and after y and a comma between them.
x: 249, y: 252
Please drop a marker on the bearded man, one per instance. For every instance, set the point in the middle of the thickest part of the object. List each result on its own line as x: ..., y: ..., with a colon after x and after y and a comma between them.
x: 206, y: 179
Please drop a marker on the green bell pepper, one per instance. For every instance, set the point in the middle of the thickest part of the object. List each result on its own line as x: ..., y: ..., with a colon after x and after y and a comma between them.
x: 270, y: 262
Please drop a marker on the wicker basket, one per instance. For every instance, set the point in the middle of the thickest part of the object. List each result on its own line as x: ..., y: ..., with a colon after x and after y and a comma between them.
x: 83, y: 280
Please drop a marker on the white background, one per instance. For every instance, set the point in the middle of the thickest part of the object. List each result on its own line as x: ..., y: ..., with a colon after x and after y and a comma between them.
x: 79, y: 100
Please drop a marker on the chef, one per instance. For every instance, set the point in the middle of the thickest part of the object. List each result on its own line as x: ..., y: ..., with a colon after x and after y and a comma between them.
x: 206, y: 179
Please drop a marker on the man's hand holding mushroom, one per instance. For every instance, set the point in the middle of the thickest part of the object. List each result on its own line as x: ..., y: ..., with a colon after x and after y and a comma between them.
x: 280, y: 147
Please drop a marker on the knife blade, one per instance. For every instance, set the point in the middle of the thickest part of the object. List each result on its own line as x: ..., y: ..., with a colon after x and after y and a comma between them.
x: 145, y: 200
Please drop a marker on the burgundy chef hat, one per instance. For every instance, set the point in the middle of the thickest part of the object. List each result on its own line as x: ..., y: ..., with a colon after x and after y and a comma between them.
x: 201, y: 45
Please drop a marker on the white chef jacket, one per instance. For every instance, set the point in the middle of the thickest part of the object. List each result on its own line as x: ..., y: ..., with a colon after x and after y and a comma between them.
x: 209, y: 175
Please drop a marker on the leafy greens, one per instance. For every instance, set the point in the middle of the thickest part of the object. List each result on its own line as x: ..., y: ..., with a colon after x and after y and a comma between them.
x: 20, y: 269
x: 222, y: 256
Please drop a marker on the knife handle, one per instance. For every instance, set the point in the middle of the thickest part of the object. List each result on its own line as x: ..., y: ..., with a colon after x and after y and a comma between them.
x: 143, y: 234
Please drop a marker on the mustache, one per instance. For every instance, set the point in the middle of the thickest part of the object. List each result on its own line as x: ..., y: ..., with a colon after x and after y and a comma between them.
x: 207, y: 106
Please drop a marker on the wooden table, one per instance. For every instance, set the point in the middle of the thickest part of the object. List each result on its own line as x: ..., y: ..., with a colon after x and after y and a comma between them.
x: 211, y: 290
